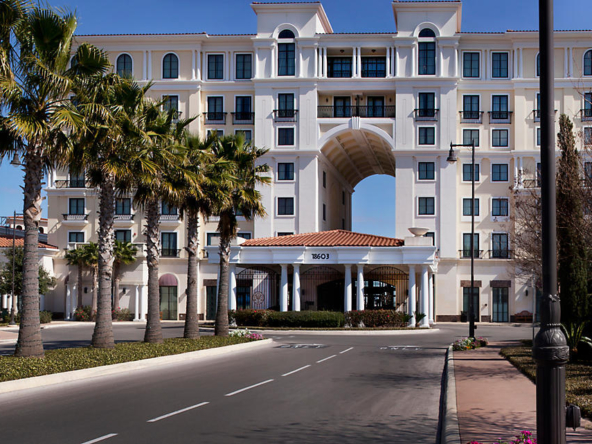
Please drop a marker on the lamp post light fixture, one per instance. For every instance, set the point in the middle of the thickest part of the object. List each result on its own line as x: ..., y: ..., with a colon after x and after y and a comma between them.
x: 452, y: 159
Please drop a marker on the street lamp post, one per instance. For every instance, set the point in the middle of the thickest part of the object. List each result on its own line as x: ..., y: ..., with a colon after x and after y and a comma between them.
x: 549, y: 350
x: 12, y: 298
x: 452, y: 159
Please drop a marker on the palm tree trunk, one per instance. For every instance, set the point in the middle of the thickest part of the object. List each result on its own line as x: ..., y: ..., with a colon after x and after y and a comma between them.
x: 29, y: 342
x: 103, y: 333
x: 153, y: 331
x: 116, y: 280
x: 79, y: 285
x: 222, y: 312
x: 191, y: 317
x: 93, y: 309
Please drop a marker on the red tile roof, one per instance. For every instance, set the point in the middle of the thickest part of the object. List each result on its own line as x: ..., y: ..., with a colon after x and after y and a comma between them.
x: 6, y: 242
x: 334, y: 238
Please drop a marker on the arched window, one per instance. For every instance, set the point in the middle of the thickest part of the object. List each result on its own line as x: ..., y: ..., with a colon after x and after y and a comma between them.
x: 168, y: 296
x: 286, y: 55
x: 124, y: 65
x: 427, y: 33
x: 286, y: 34
x: 427, y: 53
x: 538, y: 65
x: 588, y: 63
x: 170, y: 67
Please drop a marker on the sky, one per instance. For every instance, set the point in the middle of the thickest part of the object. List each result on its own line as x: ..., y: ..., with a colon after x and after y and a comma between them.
x: 236, y: 16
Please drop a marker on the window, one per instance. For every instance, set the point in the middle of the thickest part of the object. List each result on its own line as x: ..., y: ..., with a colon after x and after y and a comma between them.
x: 123, y: 235
x: 538, y: 136
x: 467, y: 167
x: 499, y: 138
x: 285, y: 233
x: 171, y: 103
x: 243, y: 108
x: 124, y: 65
x: 499, y: 107
x: 285, y: 171
x: 427, y: 105
x: 76, y: 206
x: 373, y: 66
x: 499, y: 172
x: 286, y: 34
x: 285, y: 136
x: 588, y: 63
x: 246, y: 236
x: 426, y: 170
x: 499, y: 245
x: 76, y: 237
x: 324, y: 179
x: 471, y: 135
x: 375, y: 106
x: 285, y: 105
x: 342, y: 107
x: 467, y: 204
x: 170, y: 67
x: 77, y: 179
x: 427, y: 136
x: 169, y: 244
x: 471, y: 107
x: 537, y: 111
x: 587, y: 105
x: 285, y: 206
x: 426, y: 206
x: 500, y: 305
x: 324, y: 212
x: 244, y: 68
x: 123, y: 206
x: 215, y: 108
x: 466, y: 251
x: 211, y: 236
x: 339, y: 67
x: 247, y: 134
x: 499, y: 207
x: 343, y: 224
x: 466, y: 295
x: 587, y: 135
x: 499, y: 65
x: 432, y: 236
x: 427, y: 58
x: 538, y: 65
x: 427, y: 33
x: 286, y: 59
x: 168, y: 210
x: 471, y: 64
x: 215, y: 66
x: 588, y: 171
x: 216, y: 132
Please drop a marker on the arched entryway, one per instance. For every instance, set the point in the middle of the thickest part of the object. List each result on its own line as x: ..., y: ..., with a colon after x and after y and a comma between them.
x: 257, y: 288
x: 168, y: 286
x: 321, y: 288
x: 386, y: 288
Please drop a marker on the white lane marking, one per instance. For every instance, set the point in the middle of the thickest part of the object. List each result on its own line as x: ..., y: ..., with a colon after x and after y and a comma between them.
x: 345, y: 351
x: 248, y: 388
x: 178, y: 411
x: 297, y: 370
x: 102, y: 438
x: 326, y: 359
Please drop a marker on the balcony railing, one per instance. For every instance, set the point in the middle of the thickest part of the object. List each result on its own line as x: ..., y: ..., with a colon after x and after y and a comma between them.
x: 285, y: 115
x: 500, y: 254
x: 471, y: 116
x: 500, y: 116
x: 466, y: 254
x: 586, y: 114
x: 243, y: 118
x: 76, y: 183
x: 346, y: 111
x: 123, y: 217
x: 169, y: 252
x: 75, y: 217
x: 426, y: 114
x: 531, y: 183
x: 169, y: 217
x: 216, y: 117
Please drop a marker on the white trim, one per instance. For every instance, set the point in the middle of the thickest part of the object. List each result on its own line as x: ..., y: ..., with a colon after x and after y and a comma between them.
x: 207, y: 70
x: 252, y: 66
x: 219, y: 131
x: 478, y: 163
x: 462, y: 60
x: 500, y: 147
x: 499, y: 218
x: 583, y: 64
x: 162, y: 96
x: 462, y: 245
x: 472, y: 129
x: 115, y: 230
x: 424, y: 25
x: 435, y: 136
x: 465, y: 218
x: 417, y: 179
x: 277, y: 135
x: 130, y: 56
x: 215, y: 122
x: 277, y: 207
x: 288, y: 26
x: 244, y: 130
x: 491, y: 164
x: 76, y: 231
x: 491, y: 240
x: 417, y: 207
x: 245, y: 95
x: 178, y: 67
x: 70, y: 198
x: 491, y: 53
x: 277, y: 172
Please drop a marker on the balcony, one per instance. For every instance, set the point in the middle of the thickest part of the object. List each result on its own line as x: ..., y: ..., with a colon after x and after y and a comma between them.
x: 285, y: 115
x: 75, y: 218
x: 500, y: 117
x: 217, y: 118
x: 531, y: 183
x: 500, y: 254
x: 243, y: 118
x: 426, y: 114
x: 169, y: 220
x: 466, y: 254
x: 471, y: 116
x: 76, y: 183
x: 586, y: 114
x: 356, y: 111
x: 169, y: 252
x: 123, y: 220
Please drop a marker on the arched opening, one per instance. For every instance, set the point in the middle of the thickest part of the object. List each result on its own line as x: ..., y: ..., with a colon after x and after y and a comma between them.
x: 321, y: 289
x: 257, y: 288
x: 286, y: 34
x: 168, y: 286
x: 373, y: 206
x: 386, y: 288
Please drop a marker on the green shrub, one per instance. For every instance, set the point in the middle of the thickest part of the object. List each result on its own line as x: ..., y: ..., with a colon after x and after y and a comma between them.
x: 305, y: 319
x: 121, y: 314
x: 250, y: 318
x: 375, y: 318
x: 82, y: 314
x: 45, y: 317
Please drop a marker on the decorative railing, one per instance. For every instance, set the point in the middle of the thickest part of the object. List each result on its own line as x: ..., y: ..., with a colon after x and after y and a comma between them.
x: 500, y: 254
x: 471, y: 116
x: 76, y: 183
x: 75, y: 217
x: 123, y: 217
x: 426, y: 114
x: 169, y: 252
x: 586, y: 114
x: 346, y: 111
x: 243, y: 118
x: 466, y: 254
x: 216, y: 117
x: 500, y: 116
x: 169, y: 217
x: 285, y: 115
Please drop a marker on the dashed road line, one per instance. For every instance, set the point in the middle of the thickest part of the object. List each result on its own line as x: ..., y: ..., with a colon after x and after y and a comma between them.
x: 248, y: 388
x: 102, y: 438
x: 345, y: 351
x: 178, y: 411
x: 326, y: 359
x: 297, y: 370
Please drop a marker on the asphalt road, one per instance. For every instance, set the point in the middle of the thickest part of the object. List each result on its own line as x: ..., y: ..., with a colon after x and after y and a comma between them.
x: 353, y: 389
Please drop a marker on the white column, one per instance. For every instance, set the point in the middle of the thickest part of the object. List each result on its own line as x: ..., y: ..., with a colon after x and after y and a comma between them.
x: 68, y: 301
x: 571, y: 70
x: 347, y: 306
x: 192, y: 65
x: 397, y: 63
x: 359, y: 57
x: 325, y: 63
x: 284, y: 288
x: 388, y: 61
x: 354, y: 66
x: 456, y: 62
x: 272, y: 64
x: 440, y: 62
x: 431, y: 296
x: 413, y: 60
x: 232, y: 288
x: 316, y: 62
x: 143, y: 305
x: 299, y: 61
x: 4, y: 301
x: 198, y: 64
x: 487, y: 65
x: 521, y: 173
x: 360, y: 305
x: 74, y: 300
x: 425, y: 295
x: 228, y: 65
x: 150, y: 76
x: 137, y: 304
x: 411, y: 298
x: 145, y: 66
x: 296, y: 289
x: 565, y: 62
x: 521, y: 65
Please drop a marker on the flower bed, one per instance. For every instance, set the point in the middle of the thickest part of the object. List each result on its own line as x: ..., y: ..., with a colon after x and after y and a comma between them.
x: 469, y: 343
x: 525, y: 437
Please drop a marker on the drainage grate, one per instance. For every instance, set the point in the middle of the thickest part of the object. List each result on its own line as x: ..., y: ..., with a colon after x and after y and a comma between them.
x: 303, y: 346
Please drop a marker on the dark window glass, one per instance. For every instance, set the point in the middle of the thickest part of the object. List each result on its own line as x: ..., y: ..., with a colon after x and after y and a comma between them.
x: 247, y: 134
x: 286, y: 59
x: 588, y: 170
x: 324, y: 179
x: 587, y: 135
x: 375, y: 106
x: 286, y: 206
x: 427, y: 33
x: 538, y: 137
x: 427, y: 105
x: 499, y: 107
x: 587, y: 104
x: 244, y: 235
x: 76, y: 206
x: 588, y: 63
x: 217, y: 133
x: 500, y: 245
x: 77, y: 180
x: 285, y: 171
x: 467, y: 245
x: 324, y: 212
x: 500, y: 305
x: 286, y: 34
x: 170, y: 103
x: 373, y: 66
x: 123, y: 235
x: 215, y: 108
x: 466, y: 294
x: 168, y: 210
x: 244, y: 64
x: 467, y: 167
x: 470, y: 135
x: 170, y: 67
x: 285, y: 233
x: 342, y: 107
x: 499, y: 138
x: 471, y: 64
x: 286, y: 136
x: 123, y: 206
x: 432, y: 236
x: 76, y: 237
x: 427, y: 58
x: 243, y: 108
x: 499, y: 172
x: 499, y: 207
x: 211, y: 236
x: 471, y: 107
x: 427, y: 136
x: 499, y: 64
x: 215, y: 66
x: 339, y: 67
x: 538, y: 65
x: 467, y: 207
x: 286, y: 105
x: 426, y: 170
x: 426, y: 205
x: 169, y: 244
x: 124, y: 65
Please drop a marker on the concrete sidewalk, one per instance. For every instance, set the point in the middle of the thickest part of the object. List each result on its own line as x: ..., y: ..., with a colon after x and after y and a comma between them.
x: 495, y: 401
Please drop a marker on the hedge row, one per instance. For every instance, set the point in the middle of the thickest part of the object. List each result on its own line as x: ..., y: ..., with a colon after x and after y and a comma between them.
x: 376, y: 318
x: 45, y: 317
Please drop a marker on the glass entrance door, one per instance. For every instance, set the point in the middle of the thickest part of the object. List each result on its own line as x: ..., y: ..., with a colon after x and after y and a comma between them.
x: 466, y: 293
x: 500, y: 305
x: 211, y: 302
x: 168, y: 303
x: 342, y: 107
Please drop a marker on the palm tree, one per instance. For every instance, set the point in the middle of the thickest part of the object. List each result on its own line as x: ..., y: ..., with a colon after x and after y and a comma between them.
x: 238, y: 193
x: 77, y: 257
x: 125, y: 254
x: 91, y: 260
x: 39, y: 121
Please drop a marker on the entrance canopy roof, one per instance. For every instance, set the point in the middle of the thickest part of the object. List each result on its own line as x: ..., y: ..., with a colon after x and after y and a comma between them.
x: 333, y: 238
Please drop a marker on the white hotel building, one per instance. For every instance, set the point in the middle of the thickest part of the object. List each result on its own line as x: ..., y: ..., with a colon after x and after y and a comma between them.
x: 334, y: 109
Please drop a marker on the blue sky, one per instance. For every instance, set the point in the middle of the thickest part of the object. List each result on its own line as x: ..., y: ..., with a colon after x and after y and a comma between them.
x: 236, y: 16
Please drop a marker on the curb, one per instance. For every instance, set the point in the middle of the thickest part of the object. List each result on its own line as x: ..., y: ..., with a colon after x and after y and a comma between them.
x: 95, y: 372
x: 450, y: 430
x: 344, y: 332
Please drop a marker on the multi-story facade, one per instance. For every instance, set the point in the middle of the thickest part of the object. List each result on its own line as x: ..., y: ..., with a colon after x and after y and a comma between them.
x: 336, y: 108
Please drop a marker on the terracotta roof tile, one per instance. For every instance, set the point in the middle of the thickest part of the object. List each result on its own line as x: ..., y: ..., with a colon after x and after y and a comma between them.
x: 6, y: 242
x: 334, y: 238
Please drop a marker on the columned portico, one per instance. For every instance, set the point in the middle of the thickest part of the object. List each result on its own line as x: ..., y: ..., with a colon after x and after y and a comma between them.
x: 431, y: 297
x: 296, y: 288
x: 412, y: 294
x: 424, y: 304
x: 284, y: 288
x: 68, y: 301
x: 348, y: 288
x: 232, y: 287
x: 360, y: 287
x: 137, y: 304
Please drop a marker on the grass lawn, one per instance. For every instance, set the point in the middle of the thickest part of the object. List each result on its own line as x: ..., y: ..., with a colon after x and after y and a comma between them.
x: 67, y: 359
x: 578, y: 381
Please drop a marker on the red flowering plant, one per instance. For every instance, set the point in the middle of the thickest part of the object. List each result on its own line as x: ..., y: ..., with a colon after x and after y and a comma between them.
x: 525, y: 437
